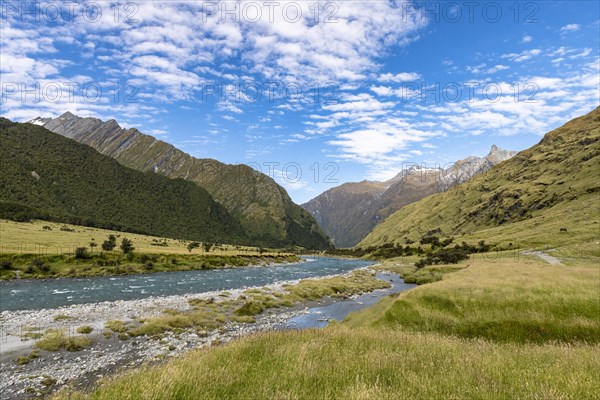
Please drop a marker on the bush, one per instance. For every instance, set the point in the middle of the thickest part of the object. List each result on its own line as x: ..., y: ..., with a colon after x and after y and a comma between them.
x: 127, y: 246
x: 37, y: 262
x: 110, y: 243
x: 81, y: 253
x: 192, y: 245
x: 5, y: 265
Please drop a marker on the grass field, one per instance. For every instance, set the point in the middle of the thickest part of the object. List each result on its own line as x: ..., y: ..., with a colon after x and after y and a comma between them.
x: 31, y: 237
x: 43, y: 249
x: 500, y: 329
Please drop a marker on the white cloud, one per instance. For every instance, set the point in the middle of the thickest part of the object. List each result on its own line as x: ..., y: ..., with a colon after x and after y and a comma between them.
x: 526, y: 39
x: 570, y: 28
x: 496, y: 68
x: 400, y: 77
x: 523, y: 56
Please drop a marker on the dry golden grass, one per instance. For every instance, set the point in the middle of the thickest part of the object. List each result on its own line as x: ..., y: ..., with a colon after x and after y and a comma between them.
x: 432, y: 342
x: 31, y: 237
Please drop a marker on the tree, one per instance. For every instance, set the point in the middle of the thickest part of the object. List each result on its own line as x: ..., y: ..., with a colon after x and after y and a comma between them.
x: 109, y: 244
x: 192, y: 245
x: 207, y: 246
x: 127, y: 246
x: 81, y: 253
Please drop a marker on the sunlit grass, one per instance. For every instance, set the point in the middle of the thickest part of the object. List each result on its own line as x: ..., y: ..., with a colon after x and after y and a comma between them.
x: 495, y: 329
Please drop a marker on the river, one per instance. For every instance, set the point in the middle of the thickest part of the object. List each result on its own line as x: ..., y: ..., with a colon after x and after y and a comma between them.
x: 52, y: 293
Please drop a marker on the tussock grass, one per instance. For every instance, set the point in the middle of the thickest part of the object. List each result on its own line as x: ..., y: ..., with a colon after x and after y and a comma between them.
x: 54, y: 340
x: 496, y: 329
x: 420, y: 276
x: 116, y: 325
x: 200, y: 319
x: 85, y: 329
x: 364, y: 363
x: 209, y: 314
x: 508, y: 300
x: 357, y: 282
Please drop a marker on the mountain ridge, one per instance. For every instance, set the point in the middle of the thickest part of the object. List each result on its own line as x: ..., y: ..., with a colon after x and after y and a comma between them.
x: 541, y: 193
x: 348, y: 212
x: 48, y: 176
x: 264, y: 209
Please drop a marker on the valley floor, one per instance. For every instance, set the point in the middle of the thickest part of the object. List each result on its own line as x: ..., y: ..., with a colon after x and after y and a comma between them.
x: 41, y: 350
x: 498, y: 328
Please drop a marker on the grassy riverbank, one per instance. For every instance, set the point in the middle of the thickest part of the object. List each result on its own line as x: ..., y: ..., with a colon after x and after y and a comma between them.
x: 31, y: 266
x: 501, y: 328
x: 42, y: 249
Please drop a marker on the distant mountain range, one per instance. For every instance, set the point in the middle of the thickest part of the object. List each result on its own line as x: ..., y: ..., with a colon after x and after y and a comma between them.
x: 263, y: 208
x: 545, y: 193
x: 347, y: 213
x: 47, y: 176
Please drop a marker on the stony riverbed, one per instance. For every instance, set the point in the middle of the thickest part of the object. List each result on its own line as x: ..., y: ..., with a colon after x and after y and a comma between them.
x: 107, y: 355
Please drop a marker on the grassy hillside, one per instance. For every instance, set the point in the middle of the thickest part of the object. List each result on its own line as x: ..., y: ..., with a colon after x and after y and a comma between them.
x: 497, y: 329
x: 47, y: 176
x: 542, y: 196
x: 347, y: 213
x: 263, y: 208
x: 44, y: 237
x: 42, y: 249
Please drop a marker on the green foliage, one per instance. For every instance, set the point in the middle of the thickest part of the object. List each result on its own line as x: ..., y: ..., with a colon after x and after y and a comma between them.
x: 78, y: 185
x: 524, y: 200
x: 81, y: 253
x: 85, y: 329
x: 192, y: 245
x: 110, y: 243
x: 127, y: 246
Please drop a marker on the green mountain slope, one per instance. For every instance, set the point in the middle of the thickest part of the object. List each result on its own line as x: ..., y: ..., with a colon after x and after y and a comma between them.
x: 45, y: 175
x: 264, y: 209
x: 547, y: 194
x: 347, y: 213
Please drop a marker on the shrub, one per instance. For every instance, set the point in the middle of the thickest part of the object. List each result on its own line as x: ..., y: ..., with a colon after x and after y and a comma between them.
x: 81, y: 253
x: 37, y: 262
x: 110, y: 243
x: 5, y: 265
x: 192, y: 245
x: 127, y: 246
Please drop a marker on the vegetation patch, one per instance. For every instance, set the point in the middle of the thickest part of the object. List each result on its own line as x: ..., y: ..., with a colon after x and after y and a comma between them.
x: 85, y: 329
x: 54, y: 340
x: 116, y: 325
x: 28, y: 358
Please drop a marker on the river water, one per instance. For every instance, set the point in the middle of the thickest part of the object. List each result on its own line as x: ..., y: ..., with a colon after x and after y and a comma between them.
x: 52, y: 293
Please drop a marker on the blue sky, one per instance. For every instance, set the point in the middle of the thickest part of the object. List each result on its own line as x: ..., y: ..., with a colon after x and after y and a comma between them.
x: 399, y: 82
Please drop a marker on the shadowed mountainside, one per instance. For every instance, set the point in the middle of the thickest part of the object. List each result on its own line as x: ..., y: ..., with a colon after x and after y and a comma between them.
x: 263, y: 208
x: 47, y: 176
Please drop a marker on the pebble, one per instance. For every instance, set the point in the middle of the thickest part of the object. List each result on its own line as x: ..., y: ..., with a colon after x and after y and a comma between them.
x: 24, y: 381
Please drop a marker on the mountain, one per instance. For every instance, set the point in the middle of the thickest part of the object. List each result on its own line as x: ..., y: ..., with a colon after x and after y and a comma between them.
x: 347, y: 213
x: 263, y: 208
x: 47, y: 176
x: 547, y: 193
